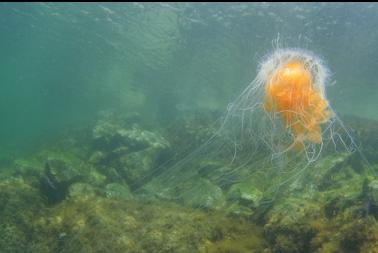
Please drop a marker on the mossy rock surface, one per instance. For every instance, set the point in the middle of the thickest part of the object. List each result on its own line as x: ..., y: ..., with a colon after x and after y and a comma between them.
x: 20, y: 204
x: 111, y: 225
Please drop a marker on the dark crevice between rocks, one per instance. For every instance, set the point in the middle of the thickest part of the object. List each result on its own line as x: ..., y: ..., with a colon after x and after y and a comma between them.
x: 52, y: 189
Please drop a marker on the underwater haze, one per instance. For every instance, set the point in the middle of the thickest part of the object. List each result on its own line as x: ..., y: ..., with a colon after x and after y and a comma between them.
x: 123, y: 128
x: 63, y: 62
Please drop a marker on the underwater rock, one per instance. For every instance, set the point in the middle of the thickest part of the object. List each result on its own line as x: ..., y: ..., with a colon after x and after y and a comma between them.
x: 56, y: 179
x: 341, y: 186
x: 133, y: 153
x: 245, y: 194
x: 13, y: 239
x: 368, y: 199
x: 111, y: 225
x: 288, y: 228
x: 109, y: 136
x: 202, y: 193
x: 355, y: 234
x: 137, y: 139
x: 27, y: 169
x: 328, y: 171
x: 327, y: 209
x: 191, y: 129
x: 61, y: 170
x: 20, y: 203
x: 104, y: 134
x: 115, y: 190
x: 97, y: 157
x: 221, y: 175
x: 137, y: 167
x: 195, y: 191
x: 238, y: 210
x: 82, y: 190
x: 111, y: 174
x: 366, y: 132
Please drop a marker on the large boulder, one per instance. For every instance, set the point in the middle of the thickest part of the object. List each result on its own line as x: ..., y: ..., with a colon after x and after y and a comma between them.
x: 133, y: 152
x: 245, y: 194
x: 187, y: 188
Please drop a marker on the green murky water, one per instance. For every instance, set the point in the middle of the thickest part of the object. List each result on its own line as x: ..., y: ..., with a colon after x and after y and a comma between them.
x: 111, y: 135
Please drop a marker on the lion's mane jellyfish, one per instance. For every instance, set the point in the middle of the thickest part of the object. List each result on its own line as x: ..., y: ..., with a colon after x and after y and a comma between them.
x: 291, y: 92
x: 285, y: 109
x: 281, y: 124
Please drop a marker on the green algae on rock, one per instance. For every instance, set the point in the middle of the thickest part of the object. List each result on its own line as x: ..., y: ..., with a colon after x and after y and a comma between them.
x: 96, y: 225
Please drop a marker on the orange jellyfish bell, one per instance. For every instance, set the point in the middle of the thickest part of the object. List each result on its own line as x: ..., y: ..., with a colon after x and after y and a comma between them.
x: 291, y: 93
